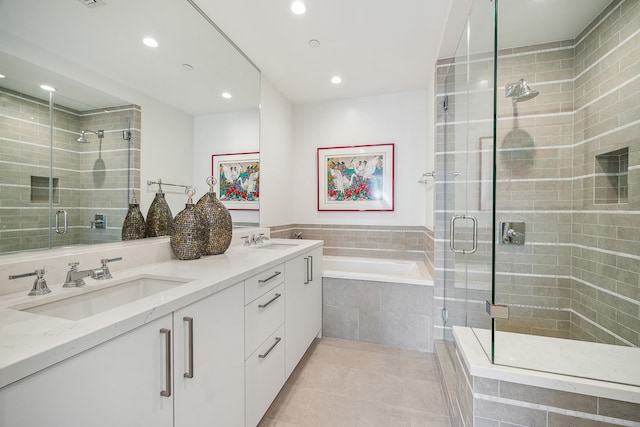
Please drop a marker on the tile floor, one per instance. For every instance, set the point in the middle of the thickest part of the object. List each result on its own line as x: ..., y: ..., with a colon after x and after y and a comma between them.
x: 350, y: 383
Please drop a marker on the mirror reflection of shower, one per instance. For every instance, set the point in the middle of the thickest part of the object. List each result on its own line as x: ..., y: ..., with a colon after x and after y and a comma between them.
x: 520, y: 91
x: 82, y: 138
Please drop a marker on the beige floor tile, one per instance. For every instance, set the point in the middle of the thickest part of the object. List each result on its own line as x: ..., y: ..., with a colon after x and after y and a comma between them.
x: 353, y: 384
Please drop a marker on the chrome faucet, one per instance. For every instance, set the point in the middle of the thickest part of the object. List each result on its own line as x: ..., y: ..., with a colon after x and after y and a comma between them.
x: 39, y: 285
x: 75, y: 276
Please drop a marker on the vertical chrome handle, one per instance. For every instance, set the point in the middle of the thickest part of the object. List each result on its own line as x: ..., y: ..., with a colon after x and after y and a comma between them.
x: 452, y: 234
x: 311, y: 263
x: 189, y: 320
x: 306, y: 271
x: 167, y: 391
x: 58, y: 221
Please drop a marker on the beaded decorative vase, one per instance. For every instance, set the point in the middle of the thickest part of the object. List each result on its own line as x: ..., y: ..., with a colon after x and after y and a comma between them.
x: 159, y: 216
x: 220, y: 226
x: 133, y: 226
x: 189, y: 231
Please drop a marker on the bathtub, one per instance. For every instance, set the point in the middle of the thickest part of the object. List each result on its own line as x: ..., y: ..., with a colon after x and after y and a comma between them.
x: 376, y: 270
x: 382, y: 301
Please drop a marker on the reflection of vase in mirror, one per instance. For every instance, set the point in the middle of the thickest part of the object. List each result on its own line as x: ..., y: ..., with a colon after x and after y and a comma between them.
x: 159, y: 217
x: 134, y: 225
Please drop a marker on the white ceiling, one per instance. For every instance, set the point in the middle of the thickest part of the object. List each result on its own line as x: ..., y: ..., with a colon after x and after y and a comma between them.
x: 376, y: 46
x: 380, y: 46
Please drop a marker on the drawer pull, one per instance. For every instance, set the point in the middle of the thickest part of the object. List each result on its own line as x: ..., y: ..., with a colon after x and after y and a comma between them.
x: 189, y: 321
x: 266, y: 304
x: 276, y: 274
x: 262, y: 356
x: 167, y: 391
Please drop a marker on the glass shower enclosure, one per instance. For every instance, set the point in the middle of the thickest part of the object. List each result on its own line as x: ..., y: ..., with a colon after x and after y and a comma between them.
x: 538, y: 198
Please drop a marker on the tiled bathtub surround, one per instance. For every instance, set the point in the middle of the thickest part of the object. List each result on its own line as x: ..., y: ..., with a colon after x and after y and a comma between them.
x: 395, y: 314
x: 578, y: 274
x: 370, y: 241
x: 90, y: 178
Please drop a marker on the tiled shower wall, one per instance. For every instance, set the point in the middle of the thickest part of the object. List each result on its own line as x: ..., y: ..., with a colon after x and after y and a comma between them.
x: 412, y: 243
x: 568, y: 165
x: 90, y: 178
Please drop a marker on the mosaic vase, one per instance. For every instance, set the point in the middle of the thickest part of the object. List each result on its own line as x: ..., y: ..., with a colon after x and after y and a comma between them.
x: 133, y: 226
x: 159, y: 217
x: 220, y: 226
x: 189, y: 232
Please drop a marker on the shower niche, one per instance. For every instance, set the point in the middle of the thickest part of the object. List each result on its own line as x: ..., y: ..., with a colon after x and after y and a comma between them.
x: 611, y: 184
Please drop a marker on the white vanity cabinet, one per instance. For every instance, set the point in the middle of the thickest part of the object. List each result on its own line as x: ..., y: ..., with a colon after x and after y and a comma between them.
x: 117, y: 383
x: 264, y: 341
x: 303, y: 313
x: 184, y: 370
x: 208, y: 361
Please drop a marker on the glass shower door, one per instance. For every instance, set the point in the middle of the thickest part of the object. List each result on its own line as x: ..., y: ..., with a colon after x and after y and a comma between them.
x: 465, y: 157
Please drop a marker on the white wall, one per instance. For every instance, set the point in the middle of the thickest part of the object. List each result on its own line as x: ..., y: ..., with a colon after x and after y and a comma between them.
x: 277, y: 161
x: 166, y: 153
x: 224, y: 133
x: 405, y: 119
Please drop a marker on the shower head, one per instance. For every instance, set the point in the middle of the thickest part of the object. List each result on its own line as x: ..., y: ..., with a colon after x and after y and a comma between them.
x: 519, y: 91
x: 82, y: 138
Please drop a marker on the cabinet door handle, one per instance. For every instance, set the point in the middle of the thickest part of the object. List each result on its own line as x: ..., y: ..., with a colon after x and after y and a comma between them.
x: 262, y: 356
x: 167, y: 391
x: 306, y: 272
x: 311, y: 264
x: 189, y: 320
x: 276, y: 274
x: 266, y: 304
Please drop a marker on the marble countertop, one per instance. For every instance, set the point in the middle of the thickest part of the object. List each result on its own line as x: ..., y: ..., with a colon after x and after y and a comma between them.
x: 30, y: 342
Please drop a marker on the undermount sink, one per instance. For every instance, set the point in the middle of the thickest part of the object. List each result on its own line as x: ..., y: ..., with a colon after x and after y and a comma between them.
x: 277, y: 246
x: 97, y: 301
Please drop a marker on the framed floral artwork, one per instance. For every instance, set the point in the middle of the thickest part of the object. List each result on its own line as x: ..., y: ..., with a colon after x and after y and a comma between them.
x: 238, y: 179
x: 356, y: 178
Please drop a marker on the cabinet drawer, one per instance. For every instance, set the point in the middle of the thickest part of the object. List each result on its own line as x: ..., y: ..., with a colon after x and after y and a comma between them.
x: 262, y: 282
x: 262, y: 317
x: 264, y: 376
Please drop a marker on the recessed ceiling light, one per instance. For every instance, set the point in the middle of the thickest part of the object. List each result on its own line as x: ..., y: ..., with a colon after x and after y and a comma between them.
x: 48, y: 88
x: 2, y: 76
x: 298, y: 7
x: 187, y: 67
x: 149, y: 41
x: 336, y: 80
x: 314, y: 43
x: 226, y: 95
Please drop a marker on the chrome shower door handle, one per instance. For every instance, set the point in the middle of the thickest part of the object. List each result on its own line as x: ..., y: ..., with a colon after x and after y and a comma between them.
x: 64, y: 217
x: 452, y: 234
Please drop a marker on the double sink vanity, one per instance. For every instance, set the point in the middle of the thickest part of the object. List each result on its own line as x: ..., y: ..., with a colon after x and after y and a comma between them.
x: 164, y: 342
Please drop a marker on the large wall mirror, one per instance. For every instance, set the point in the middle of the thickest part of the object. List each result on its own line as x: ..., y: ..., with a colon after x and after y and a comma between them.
x: 147, y: 114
